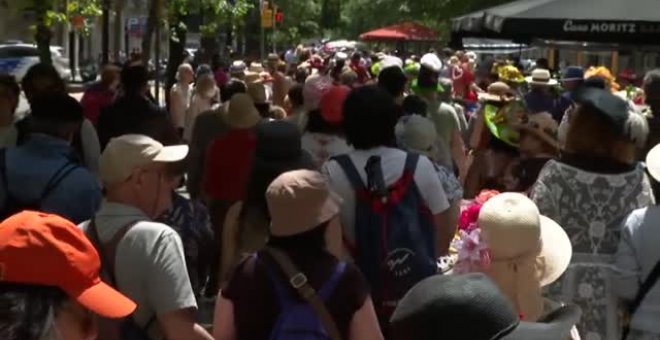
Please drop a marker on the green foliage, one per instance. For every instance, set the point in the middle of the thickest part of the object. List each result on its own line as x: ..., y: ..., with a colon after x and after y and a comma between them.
x: 221, y: 12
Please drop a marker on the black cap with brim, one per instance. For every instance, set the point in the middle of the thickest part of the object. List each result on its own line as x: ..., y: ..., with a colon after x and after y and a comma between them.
x: 557, y: 325
x: 612, y: 108
x: 449, y: 307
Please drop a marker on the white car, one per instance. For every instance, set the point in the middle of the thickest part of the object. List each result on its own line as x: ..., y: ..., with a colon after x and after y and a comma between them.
x: 16, y: 59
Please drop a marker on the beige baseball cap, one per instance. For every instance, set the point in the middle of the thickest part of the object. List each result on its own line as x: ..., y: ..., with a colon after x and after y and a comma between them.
x: 300, y: 201
x: 124, y: 154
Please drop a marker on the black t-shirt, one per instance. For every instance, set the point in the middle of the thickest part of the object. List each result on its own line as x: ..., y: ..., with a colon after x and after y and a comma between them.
x: 256, y: 306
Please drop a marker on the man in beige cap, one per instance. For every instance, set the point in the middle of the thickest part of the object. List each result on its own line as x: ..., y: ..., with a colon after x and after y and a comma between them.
x: 149, y: 266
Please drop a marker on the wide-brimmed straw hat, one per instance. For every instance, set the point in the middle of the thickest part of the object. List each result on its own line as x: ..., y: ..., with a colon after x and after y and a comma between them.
x: 543, y: 127
x: 497, y: 92
x: 653, y: 162
x: 541, y: 77
x: 528, y: 251
x: 240, y: 112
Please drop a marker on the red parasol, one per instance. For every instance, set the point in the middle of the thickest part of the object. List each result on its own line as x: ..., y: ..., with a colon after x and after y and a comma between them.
x: 407, y: 31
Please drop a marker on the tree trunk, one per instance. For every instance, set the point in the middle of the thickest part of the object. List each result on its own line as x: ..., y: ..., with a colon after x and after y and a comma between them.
x: 147, y: 39
x: 119, y: 22
x: 43, y: 34
x: 177, y: 46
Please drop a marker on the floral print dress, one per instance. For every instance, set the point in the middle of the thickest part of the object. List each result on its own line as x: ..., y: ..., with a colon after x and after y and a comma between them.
x: 591, y: 208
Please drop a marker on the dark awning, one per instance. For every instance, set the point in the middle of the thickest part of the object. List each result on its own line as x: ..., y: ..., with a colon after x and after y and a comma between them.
x: 609, y: 21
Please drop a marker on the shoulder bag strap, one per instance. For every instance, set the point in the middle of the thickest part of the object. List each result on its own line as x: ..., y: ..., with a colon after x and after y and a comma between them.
x: 298, y: 280
x: 411, y: 162
x: 644, y: 289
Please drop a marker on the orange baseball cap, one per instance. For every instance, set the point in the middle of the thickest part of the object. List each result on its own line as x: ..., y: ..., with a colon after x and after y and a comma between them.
x: 332, y: 104
x: 43, y: 249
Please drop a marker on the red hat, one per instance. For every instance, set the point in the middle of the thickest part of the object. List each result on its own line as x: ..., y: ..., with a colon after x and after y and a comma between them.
x: 332, y: 104
x: 42, y: 249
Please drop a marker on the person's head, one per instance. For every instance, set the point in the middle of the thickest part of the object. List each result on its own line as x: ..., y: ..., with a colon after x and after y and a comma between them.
x: 303, y: 210
x: 314, y: 88
x: 542, y: 63
x: 202, y: 70
x: 110, y: 76
x: 58, y: 115
x: 295, y: 97
x: 278, y: 150
x: 605, y: 74
x: 240, y: 112
x: 419, y: 136
x: 9, y: 98
x: 471, y: 306
x: 370, y: 114
x: 206, y: 86
x: 277, y: 112
x: 393, y: 80
x: 40, y: 79
x: 232, y: 87
x: 414, y: 105
x: 356, y: 57
x: 601, y: 126
x: 651, y: 88
x: 134, y: 80
x: 329, y: 118
x: 139, y: 171
x: 572, y: 78
x: 539, y: 136
x: 185, y: 74
x: 51, y: 286
x: 541, y: 80
x: 527, y: 251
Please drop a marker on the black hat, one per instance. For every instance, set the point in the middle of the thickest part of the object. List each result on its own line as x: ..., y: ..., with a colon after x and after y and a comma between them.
x: 471, y: 307
x: 279, y: 146
x: 613, y: 108
x: 56, y: 107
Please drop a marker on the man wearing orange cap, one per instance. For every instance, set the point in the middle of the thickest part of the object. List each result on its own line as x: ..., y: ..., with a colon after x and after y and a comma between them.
x: 49, y: 281
x: 148, y: 265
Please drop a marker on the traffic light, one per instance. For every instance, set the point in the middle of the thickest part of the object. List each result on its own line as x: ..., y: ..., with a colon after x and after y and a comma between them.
x: 279, y: 16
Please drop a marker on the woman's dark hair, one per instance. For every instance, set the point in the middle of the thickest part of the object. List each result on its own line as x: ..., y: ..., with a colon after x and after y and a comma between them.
x: 370, y: 115
x: 296, y: 95
x: 317, y: 124
x: 414, y: 104
x: 28, y: 311
x: 336, y: 71
x: 232, y: 87
x: 134, y: 79
x: 393, y: 80
x: 311, y: 241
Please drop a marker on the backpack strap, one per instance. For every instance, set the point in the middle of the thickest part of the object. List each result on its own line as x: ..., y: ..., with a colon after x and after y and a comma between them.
x: 411, y: 163
x: 644, y: 289
x: 107, y: 253
x: 298, y: 280
x: 329, y: 286
x: 350, y: 170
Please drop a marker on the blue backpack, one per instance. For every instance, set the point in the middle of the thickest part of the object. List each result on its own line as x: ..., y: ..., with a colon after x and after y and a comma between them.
x: 394, y: 232
x: 302, y: 320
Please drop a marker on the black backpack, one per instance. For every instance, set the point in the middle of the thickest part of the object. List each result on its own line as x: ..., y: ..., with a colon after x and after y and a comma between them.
x: 13, y: 205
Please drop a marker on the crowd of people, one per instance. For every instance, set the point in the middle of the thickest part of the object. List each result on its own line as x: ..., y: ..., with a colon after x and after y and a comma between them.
x: 338, y: 195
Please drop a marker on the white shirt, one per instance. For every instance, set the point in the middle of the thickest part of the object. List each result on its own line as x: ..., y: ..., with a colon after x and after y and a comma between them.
x: 392, y: 162
x: 179, y: 107
x: 322, y: 146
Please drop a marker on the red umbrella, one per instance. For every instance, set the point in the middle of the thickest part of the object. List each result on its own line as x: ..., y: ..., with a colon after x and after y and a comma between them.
x: 407, y: 31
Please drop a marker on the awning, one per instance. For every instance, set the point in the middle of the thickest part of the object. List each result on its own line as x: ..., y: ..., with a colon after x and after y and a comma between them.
x: 407, y: 31
x: 607, y: 21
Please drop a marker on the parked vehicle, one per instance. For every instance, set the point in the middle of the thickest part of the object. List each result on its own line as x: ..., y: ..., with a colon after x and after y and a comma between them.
x: 16, y: 59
